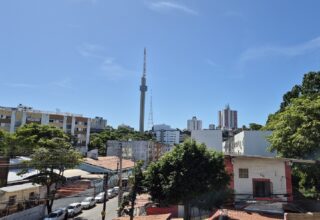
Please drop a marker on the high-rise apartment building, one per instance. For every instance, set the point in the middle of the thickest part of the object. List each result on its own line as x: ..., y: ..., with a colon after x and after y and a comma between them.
x: 166, y: 135
x: 194, y: 124
x: 73, y: 124
x: 228, y: 119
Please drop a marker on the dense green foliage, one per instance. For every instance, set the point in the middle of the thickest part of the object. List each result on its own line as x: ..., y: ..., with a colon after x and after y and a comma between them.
x: 186, y: 173
x: 32, y: 136
x: 296, y: 132
x: 99, y: 140
x: 310, y: 86
x: 255, y: 126
x: 51, y: 153
x: 296, y: 129
x: 3, y: 143
x: 136, y: 181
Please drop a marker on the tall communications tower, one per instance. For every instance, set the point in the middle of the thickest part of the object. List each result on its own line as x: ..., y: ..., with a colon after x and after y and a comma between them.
x: 143, y: 89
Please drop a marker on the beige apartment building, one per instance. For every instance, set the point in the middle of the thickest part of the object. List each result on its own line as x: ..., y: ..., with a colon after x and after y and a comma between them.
x: 75, y: 124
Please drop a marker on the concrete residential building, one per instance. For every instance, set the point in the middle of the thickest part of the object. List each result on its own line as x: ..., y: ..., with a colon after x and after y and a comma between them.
x: 74, y: 124
x: 260, y: 178
x: 212, y: 127
x: 249, y: 143
x: 146, y: 151
x: 166, y: 135
x: 211, y: 138
x: 194, y: 124
x: 98, y: 124
x: 228, y: 119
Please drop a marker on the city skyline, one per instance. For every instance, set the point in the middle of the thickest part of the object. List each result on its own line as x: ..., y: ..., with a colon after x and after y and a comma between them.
x: 201, y: 55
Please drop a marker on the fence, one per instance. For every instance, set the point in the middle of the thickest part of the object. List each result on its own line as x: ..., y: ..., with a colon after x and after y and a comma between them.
x: 35, y: 213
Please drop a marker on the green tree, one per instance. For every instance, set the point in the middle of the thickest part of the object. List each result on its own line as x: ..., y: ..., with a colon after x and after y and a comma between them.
x: 8, y: 145
x: 296, y: 129
x: 3, y: 143
x: 255, y: 126
x: 185, y: 173
x: 30, y: 136
x: 51, y: 155
x: 137, y: 183
x: 310, y: 86
x: 296, y: 132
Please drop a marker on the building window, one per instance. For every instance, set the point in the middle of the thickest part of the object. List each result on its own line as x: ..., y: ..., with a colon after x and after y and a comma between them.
x: 243, y: 173
x: 12, y: 200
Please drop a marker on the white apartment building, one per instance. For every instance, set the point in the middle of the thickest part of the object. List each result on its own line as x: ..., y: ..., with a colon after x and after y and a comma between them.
x: 166, y: 135
x: 249, y: 143
x: 228, y: 119
x: 211, y: 138
x: 146, y: 151
x: 98, y: 124
x: 74, y: 124
x: 194, y: 124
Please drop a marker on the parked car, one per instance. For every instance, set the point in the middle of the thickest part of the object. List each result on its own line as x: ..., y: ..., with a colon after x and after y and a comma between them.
x: 58, y: 214
x: 116, y: 189
x: 88, y: 202
x: 74, y: 209
x: 111, y: 193
x: 100, y: 197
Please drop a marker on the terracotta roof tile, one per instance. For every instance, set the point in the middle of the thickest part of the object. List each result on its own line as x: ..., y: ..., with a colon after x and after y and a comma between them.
x: 109, y: 162
x: 147, y: 217
x: 241, y: 215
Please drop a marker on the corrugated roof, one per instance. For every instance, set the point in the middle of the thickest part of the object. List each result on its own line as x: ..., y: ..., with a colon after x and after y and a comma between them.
x: 109, y: 162
x: 19, y: 187
x: 74, y: 172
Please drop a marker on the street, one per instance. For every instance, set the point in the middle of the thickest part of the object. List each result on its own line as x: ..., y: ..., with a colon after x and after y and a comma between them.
x: 89, y: 214
x: 95, y: 213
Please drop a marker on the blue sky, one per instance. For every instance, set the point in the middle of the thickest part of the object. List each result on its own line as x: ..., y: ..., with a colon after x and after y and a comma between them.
x: 86, y: 56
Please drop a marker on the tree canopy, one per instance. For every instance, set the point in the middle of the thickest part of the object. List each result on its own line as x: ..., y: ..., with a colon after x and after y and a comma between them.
x: 187, y: 172
x: 51, y: 153
x: 33, y: 135
x: 255, y: 126
x: 296, y: 132
x: 309, y: 87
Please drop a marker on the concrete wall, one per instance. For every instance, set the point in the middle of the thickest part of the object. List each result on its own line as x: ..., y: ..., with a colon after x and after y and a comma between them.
x: 134, y: 150
x: 302, y: 216
x: 252, y: 143
x: 259, y: 168
x: 35, y: 213
x: 211, y: 138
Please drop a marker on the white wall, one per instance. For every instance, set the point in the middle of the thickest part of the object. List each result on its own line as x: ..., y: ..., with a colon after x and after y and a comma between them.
x: 273, y: 169
x: 170, y: 137
x: 211, y: 138
x: 252, y: 143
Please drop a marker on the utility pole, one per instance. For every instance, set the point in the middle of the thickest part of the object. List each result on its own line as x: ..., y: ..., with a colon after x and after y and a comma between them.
x: 105, y: 186
x: 120, y: 180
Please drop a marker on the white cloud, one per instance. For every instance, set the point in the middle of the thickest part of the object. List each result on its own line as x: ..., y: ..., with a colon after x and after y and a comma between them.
x: 211, y: 63
x: 90, y: 50
x: 169, y: 6
x: 107, y: 65
x: 114, y: 70
x: 289, y: 51
x: 64, y: 83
